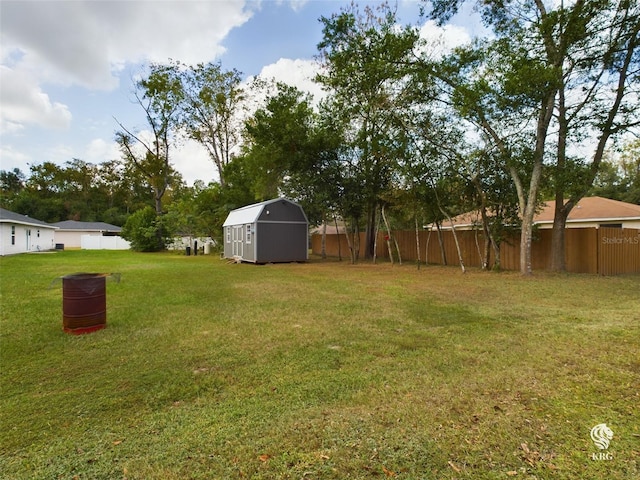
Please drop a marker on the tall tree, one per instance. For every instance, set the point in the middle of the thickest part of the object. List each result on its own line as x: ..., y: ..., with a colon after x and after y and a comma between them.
x: 212, y: 111
x: 364, y: 56
x: 598, y: 44
x: 552, y: 68
x: 277, y: 136
x: 160, y: 95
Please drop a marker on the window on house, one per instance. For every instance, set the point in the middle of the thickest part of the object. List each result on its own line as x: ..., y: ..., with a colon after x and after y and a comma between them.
x: 38, y: 235
x: 248, y: 232
x: 13, y: 235
x: 228, y: 234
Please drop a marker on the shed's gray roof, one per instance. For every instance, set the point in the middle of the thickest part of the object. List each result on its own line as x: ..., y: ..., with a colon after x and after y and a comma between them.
x: 250, y: 213
x: 7, y: 216
x: 87, y: 226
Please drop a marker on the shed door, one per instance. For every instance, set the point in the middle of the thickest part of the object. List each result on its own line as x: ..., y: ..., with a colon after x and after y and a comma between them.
x: 236, y: 240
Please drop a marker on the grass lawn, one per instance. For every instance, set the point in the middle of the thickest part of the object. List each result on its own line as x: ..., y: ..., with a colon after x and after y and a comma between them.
x: 209, y: 370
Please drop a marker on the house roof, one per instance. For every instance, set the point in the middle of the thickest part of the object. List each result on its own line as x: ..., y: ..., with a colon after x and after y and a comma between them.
x: 250, y: 213
x: 7, y: 216
x: 588, y: 209
x: 87, y: 226
x: 331, y: 230
x: 592, y: 209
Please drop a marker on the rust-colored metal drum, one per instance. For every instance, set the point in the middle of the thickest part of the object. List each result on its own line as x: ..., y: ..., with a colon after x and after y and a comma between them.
x: 84, y: 302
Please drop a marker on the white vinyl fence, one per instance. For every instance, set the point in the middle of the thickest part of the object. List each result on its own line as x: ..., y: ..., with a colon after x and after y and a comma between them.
x: 89, y: 242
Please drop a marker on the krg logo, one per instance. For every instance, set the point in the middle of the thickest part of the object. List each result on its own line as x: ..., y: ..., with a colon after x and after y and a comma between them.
x: 601, y: 436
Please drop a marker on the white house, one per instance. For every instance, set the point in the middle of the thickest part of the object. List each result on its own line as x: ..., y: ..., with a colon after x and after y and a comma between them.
x: 21, y: 234
x: 89, y: 235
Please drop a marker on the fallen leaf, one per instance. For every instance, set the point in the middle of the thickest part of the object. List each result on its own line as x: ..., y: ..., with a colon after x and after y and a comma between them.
x: 324, y: 457
x: 117, y: 442
x: 454, y: 466
x: 264, y: 457
x: 525, y: 447
x: 388, y: 472
x: 511, y: 473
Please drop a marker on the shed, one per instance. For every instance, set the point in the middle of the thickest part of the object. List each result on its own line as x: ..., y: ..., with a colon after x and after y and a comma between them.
x: 268, y: 232
x: 21, y: 234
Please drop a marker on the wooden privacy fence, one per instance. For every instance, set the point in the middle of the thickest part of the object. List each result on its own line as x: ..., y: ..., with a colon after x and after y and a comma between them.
x: 604, y: 251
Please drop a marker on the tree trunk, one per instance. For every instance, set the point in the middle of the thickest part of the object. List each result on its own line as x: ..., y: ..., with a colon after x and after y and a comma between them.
x: 395, y: 241
x: 483, y: 258
x: 388, y: 235
x: 443, y: 253
x: 350, y: 244
x: 417, y: 242
x: 335, y: 221
x: 497, y: 264
x: 558, y: 259
x: 370, y: 233
x: 558, y: 262
x: 323, y: 247
x: 455, y: 239
x: 487, y: 252
x: 375, y: 243
x: 356, y: 243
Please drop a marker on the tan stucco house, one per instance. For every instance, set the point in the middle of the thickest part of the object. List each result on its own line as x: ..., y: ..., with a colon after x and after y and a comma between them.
x: 74, y: 234
x: 593, y: 212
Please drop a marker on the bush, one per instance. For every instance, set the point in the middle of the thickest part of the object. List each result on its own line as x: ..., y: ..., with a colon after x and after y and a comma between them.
x: 144, y: 230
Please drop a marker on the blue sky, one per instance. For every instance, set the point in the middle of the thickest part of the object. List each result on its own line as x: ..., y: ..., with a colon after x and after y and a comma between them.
x: 67, y: 66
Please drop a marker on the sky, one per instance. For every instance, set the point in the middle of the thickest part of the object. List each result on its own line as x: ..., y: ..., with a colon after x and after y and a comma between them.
x: 67, y: 67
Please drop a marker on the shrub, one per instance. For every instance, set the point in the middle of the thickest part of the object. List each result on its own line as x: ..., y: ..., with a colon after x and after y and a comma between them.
x: 145, y: 231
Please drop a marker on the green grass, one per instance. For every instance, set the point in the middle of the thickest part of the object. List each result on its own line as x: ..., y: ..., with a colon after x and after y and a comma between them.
x: 208, y: 370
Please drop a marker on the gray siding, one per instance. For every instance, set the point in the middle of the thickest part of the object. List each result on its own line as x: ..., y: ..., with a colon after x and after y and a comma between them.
x: 282, y: 242
x: 282, y: 211
x: 278, y: 233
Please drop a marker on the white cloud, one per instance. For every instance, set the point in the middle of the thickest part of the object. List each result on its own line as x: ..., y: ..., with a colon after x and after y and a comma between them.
x: 88, y: 43
x: 193, y: 163
x: 60, y: 153
x: 99, y: 150
x: 297, y: 73
x: 441, y: 40
x: 11, y: 158
x: 23, y: 102
x: 297, y: 5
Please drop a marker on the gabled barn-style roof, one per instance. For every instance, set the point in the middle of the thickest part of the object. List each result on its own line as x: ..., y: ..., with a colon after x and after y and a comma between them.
x: 248, y: 214
x: 252, y: 213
